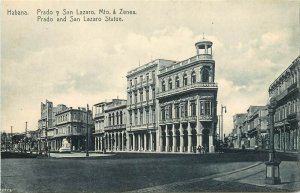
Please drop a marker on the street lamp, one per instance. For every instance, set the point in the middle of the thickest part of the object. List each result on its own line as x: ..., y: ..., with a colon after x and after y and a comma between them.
x: 272, y: 165
x: 221, y: 128
x: 87, y: 132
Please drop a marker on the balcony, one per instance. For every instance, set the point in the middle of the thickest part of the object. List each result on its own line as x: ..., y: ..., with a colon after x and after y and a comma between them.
x: 188, y: 88
x: 114, y: 127
x: 293, y: 117
x: 176, y: 120
x: 193, y: 118
x: 191, y: 60
x: 98, y: 115
x: 169, y: 120
x: 286, y: 92
x: 162, y: 121
x: 98, y: 131
x: 205, y: 118
x: 184, y: 119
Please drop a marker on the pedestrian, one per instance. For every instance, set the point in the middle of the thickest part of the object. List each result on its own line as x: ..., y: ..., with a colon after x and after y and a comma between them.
x: 199, y: 149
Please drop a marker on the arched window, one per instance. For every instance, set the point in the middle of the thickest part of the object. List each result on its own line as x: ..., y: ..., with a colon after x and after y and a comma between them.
x: 193, y: 77
x: 163, y: 86
x: 177, y: 83
x: 121, y: 118
x: 185, y: 80
x: 205, y: 75
x: 170, y: 84
x: 117, y: 115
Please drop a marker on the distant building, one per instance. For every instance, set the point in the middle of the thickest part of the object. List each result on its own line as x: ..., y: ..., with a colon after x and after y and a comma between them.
x: 285, y: 89
x: 237, y: 132
x: 257, y: 121
x: 110, y: 125
x: 251, y: 128
x: 99, y: 121
x: 73, y: 124
x: 57, y: 123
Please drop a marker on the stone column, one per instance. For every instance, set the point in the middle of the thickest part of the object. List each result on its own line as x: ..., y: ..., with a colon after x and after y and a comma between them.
x: 174, y: 138
x: 99, y: 143
x: 199, y: 134
x: 120, y: 141
x: 151, y: 141
x: 111, y: 141
x: 95, y: 143
x: 128, y: 142
x: 298, y: 130
x: 190, y: 148
x: 181, y: 137
x: 139, y: 142
x: 167, y: 139
x: 160, y: 140
x: 133, y: 143
x: 116, y: 139
x: 211, y: 146
x: 145, y: 141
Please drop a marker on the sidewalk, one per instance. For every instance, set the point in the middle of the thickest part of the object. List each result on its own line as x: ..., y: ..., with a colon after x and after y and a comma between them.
x: 78, y: 155
x: 289, y: 174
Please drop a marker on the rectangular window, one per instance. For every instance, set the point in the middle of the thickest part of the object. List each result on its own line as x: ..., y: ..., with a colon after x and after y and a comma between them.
x: 170, y: 112
x: 177, y: 111
x: 147, y: 116
x: 147, y: 95
x: 141, y: 118
x: 201, y: 108
x: 135, y: 119
x: 153, y: 116
x: 207, y: 108
x: 193, y: 109
x: 130, y: 118
x: 163, y: 114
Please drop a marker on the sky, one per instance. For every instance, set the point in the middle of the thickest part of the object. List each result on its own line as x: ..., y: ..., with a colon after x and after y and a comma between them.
x: 82, y: 63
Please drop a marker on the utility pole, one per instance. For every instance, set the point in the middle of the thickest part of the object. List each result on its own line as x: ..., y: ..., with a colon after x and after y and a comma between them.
x: 25, y: 135
x: 11, y: 129
x: 221, y: 132
x: 87, y: 131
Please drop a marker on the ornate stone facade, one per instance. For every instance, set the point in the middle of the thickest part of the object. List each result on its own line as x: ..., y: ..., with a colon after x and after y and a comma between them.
x: 285, y: 89
x: 187, y: 98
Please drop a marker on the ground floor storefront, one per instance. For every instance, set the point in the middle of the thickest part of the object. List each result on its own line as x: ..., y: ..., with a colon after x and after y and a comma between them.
x: 287, y: 137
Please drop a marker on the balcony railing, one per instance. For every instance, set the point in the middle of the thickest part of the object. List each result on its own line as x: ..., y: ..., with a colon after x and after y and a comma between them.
x: 184, y: 119
x: 99, y: 115
x: 111, y: 127
x: 187, y: 61
x: 205, y: 117
x: 198, y: 85
x: 192, y: 118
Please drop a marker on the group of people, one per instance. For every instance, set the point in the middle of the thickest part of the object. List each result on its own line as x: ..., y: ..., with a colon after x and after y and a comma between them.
x: 201, y: 149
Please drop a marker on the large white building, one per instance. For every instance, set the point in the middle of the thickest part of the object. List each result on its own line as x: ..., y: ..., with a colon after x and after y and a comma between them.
x: 172, y: 105
x: 187, y: 96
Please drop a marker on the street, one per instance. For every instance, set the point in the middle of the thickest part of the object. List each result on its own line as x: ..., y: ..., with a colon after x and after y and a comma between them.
x: 130, y: 172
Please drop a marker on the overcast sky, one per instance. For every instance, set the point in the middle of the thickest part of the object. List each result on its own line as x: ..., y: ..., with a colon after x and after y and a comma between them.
x: 80, y: 63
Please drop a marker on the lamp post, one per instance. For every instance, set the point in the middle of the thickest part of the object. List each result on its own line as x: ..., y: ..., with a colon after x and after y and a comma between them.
x: 221, y: 129
x: 11, y: 138
x: 87, y: 131
x: 272, y: 165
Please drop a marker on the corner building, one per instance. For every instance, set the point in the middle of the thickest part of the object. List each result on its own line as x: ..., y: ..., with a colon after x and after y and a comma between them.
x: 172, y: 105
x: 187, y: 102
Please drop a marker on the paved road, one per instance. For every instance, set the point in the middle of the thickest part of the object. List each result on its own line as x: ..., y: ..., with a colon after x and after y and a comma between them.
x: 125, y: 172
